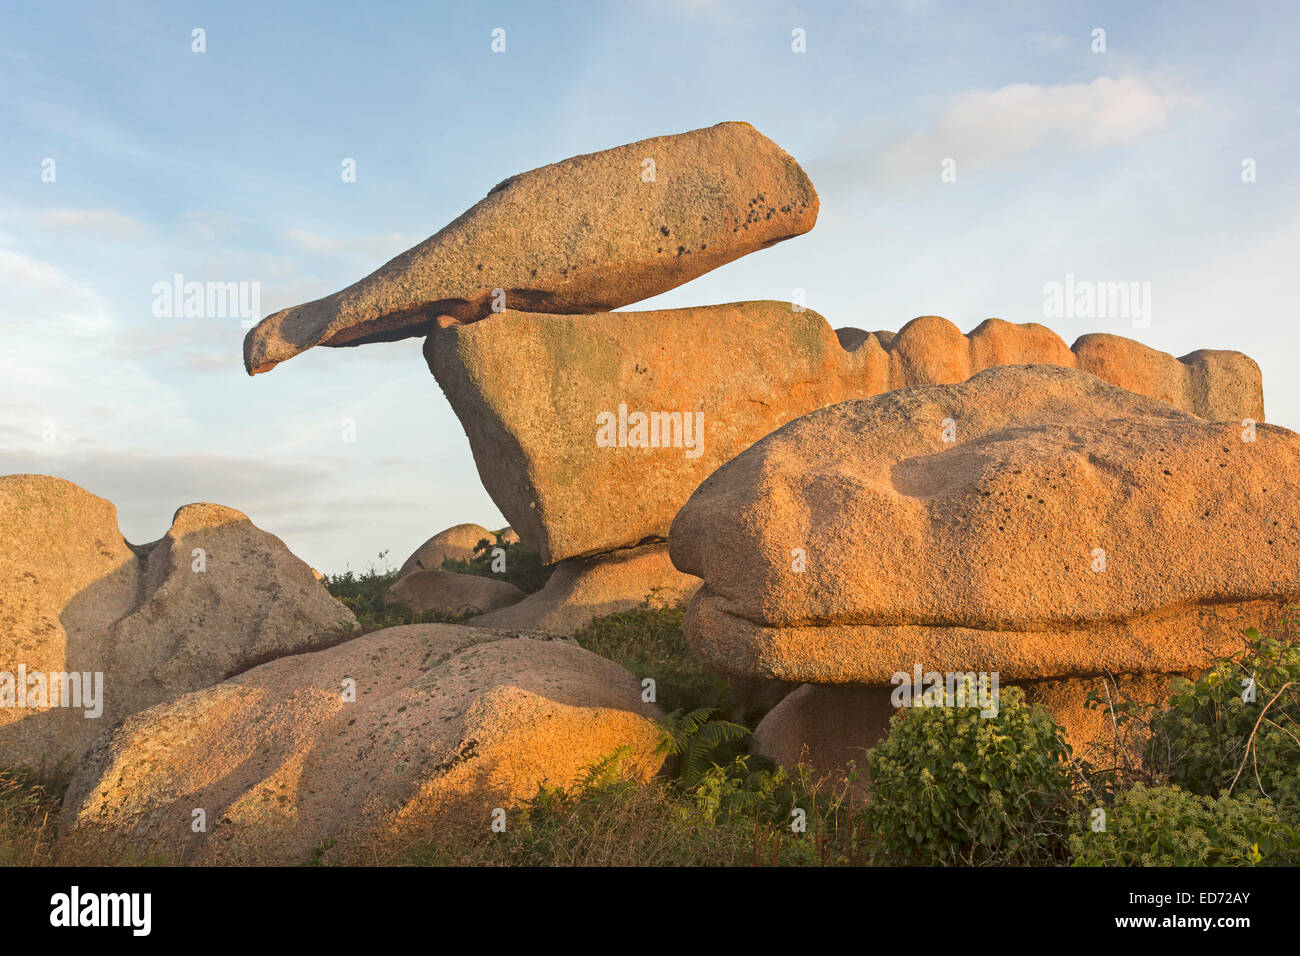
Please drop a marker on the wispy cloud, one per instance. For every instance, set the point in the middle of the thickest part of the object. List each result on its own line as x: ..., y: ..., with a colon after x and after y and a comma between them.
x: 64, y: 385
x: 984, y: 129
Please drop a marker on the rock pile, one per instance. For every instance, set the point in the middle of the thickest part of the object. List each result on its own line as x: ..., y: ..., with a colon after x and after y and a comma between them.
x: 588, y: 234
x: 90, y: 620
x: 844, y: 506
x: 585, y: 235
x: 591, y: 428
x: 681, y: 392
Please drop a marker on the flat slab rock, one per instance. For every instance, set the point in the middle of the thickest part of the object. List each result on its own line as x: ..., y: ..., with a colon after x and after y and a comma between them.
x: 587, y: 234
x: 213, y: 596
x: 532, y: 391
x: 447, y: 724
x: 1068, y: 528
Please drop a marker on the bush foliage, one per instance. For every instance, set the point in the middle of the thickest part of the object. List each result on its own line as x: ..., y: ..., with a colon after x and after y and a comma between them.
x: 1168, y: 826
x: 521, y: 566
x: 1237, y: 728
x: 649, y: 642
x: 949, y: 786
x: 363, y: 594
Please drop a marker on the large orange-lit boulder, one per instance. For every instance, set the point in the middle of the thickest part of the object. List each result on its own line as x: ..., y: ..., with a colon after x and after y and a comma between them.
x: 354, y: 753
x: 590, y: 233
x: 1032, y: 521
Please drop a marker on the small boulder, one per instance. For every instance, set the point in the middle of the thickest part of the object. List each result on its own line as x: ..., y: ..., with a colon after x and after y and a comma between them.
x: 828, y: 725
x: 583, y: 589
x: 457, y: 542
x: 452, y: 593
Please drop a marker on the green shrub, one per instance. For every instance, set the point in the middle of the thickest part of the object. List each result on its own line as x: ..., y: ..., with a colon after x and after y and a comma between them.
x: 523, y: 567
x: 694, y: 742
x: 1210, y: 740
x: 1168, y: 826
x: 363, y: 594
x: 949, y: 786
x: 648, y: 641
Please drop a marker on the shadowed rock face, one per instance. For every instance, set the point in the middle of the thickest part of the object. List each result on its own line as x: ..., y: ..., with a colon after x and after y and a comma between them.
x: 448, y: 723
x: 587, y: 234
x: 982, y: 553
x: 529, y: 389
x: 215, y: 595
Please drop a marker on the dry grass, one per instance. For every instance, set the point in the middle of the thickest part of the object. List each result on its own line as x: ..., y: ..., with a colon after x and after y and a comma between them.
x: 652, y: 824
x: 29, y: 811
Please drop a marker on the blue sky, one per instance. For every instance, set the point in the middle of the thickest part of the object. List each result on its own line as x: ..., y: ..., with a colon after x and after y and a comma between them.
x: 224, y: 166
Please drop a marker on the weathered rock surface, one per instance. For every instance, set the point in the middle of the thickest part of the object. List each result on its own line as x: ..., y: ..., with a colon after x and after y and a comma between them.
x: 452, y: 592
x: 982, y: 553
x: 532, y: 389
x: 447, y: 724
x: 213, y: 596
x: 1091, y: 731
x: 1216, y: 385
x: 457, y: 543
x: 587, y: 234
x: 582, y: 589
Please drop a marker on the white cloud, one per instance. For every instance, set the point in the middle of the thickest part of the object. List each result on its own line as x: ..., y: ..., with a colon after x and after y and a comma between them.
x: 25, y: 271
x: 59, y: 370
x: 982, y: 129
